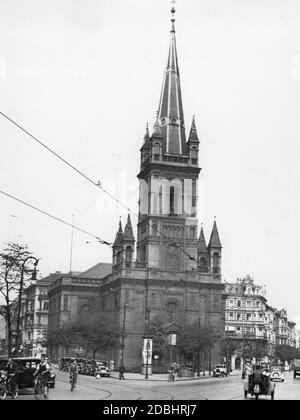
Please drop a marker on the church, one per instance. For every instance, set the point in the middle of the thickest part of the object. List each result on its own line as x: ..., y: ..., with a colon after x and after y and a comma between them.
x: 169, y: 271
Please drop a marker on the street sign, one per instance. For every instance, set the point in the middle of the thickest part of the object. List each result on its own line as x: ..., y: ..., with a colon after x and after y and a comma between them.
x: 147, y: 350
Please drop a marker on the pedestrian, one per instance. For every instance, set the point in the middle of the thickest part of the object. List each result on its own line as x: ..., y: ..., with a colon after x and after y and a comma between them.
x: 121, y: 371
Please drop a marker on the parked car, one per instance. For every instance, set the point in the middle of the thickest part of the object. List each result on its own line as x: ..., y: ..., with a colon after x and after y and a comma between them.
x: 102, y: 369
x: 296, y: 367
x: 26, y: 367
x: 277, y: 373
x: 220, y: 370
x: 64, y: 363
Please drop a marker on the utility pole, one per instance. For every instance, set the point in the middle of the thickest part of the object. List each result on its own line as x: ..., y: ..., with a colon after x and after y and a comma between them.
x: 147, y: 345
x: 123, y: 336
x: 71, y: 250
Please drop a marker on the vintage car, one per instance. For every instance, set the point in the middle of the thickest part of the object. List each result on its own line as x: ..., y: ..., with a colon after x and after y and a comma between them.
x: 101, y: 368
x: 64, y: 363
x: 277, y: 373
x: 220, y: 371
x: 26, y: 367
x: 259, y: 383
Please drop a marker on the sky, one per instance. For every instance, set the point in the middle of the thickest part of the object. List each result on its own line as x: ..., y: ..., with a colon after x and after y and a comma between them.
x: 84, y: 76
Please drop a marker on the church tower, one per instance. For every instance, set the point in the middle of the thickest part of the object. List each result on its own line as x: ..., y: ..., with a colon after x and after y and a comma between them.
x: 175, y: 276
x: 167, y: 228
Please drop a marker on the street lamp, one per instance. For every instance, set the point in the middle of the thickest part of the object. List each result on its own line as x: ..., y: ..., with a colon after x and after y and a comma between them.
x: 33, y: 277
x: 147, y: 344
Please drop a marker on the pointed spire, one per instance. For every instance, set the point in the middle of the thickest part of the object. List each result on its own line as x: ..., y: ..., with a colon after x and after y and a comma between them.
x: 201, y: 241
x: 147, y: 135
x: 170, y: 106
x: 128, y: 232
x: 119, y: 236
x: 146, y: 144
x: 214, y: 241
x: 193, y: 137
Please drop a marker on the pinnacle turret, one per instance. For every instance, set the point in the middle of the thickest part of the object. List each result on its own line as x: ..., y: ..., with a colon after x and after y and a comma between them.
x: 128, y: 232
x: 119, y: 236
x: 193, y: 137
x: 214, y: 241
x: 201, y: 242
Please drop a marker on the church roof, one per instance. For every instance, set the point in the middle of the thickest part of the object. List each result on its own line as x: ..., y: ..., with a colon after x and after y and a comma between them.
x: 170, y: 111
x: 214, y: 241
x: 98, y: 271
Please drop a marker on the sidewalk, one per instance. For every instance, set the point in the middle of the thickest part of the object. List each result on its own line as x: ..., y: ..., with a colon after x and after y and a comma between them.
x: 158, y: 376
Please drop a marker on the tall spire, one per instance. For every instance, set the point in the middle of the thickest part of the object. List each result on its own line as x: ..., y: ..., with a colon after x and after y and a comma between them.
x: 170, y: 112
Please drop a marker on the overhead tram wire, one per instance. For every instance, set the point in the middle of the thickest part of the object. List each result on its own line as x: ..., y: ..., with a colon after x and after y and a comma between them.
x: 56, y: 218
x: 87, y: 178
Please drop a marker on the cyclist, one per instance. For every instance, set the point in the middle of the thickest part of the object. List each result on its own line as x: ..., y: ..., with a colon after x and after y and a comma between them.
x: 73, y: 371
x: 12, y: 370
x: 43, y: 372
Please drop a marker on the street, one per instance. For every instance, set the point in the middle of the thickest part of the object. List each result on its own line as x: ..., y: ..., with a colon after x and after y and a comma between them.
x: 90, y: 388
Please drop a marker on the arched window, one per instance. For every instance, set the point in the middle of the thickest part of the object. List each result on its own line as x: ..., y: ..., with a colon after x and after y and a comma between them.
x: 194, y: 155
x: 172, y: 194
x: 128, y: 256
x: 172, y: 308
x: 119, y: 257
x: 156, y: 150
x: 215, y: 262
x: 203, y: 263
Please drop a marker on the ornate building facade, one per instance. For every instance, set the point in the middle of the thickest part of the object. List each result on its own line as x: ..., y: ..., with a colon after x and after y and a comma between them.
x: 175, y: 276
x: 249, y: 319
x: 169, y: 272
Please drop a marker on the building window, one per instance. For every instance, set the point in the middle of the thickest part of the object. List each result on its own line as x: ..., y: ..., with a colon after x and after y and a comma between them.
x: 65, y: 303
x: 46, y: 306
x: 128, y: 256
x: 172, y: 194
x: 171, y: 311
x: 156, y: 151
x: 239, y: 303
x: 215, y: 262
x: 194, y: 156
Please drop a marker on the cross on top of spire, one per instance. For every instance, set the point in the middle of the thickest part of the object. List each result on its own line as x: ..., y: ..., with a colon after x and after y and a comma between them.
x: 173, y: 2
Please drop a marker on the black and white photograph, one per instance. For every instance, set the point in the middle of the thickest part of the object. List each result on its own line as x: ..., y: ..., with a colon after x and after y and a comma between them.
x: 149, y: 202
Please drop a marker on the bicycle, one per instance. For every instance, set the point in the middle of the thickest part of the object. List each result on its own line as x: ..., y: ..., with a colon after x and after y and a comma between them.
x: 6, y: 387
x: 41, y: 389
x: 171, y: 377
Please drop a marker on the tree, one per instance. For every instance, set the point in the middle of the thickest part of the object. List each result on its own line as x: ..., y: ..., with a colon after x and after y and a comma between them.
x: 228, y: 347
x: 194, y: 340
x: 159, y: 334
x: 12, y: 261
x: 66, y: 337
x: 255, y: 348
x: 286, y: 353
x: 98, y: 331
